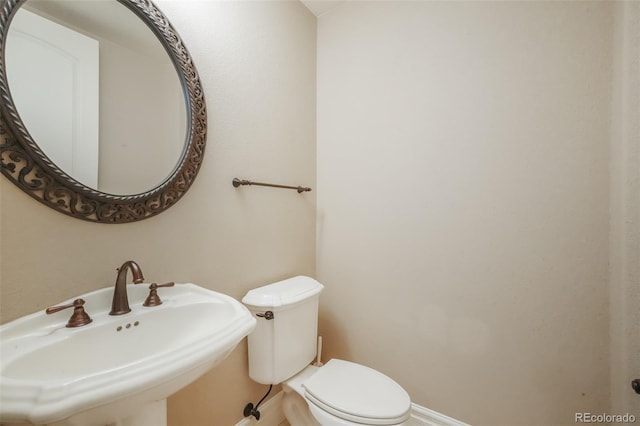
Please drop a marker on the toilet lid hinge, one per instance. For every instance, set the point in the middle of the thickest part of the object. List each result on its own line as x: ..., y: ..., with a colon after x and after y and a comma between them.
x: 267, y: 315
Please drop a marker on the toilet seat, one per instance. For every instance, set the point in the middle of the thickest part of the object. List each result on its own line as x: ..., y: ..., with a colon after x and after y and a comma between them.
x: 357, y: 394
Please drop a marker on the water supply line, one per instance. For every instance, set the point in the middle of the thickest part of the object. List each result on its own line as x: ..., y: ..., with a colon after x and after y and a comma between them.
x: 318, y: 362
x: 250, y: 410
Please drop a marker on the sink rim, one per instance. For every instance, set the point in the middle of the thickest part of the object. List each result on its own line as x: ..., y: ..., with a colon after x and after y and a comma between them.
x: 45, y: 401
x: 57, y: 335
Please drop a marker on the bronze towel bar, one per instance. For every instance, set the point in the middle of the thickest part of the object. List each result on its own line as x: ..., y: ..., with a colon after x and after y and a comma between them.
x: 237, y: 182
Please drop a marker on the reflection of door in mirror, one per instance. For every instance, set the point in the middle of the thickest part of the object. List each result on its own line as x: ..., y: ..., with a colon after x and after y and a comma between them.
x: 53, y: 72
x: 142, y: 115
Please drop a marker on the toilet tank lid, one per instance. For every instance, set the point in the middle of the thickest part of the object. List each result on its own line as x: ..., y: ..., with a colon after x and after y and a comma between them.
x: 282, y: 293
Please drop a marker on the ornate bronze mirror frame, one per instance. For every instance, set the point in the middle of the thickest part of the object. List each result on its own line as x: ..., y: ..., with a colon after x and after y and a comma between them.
x: 24, y: 163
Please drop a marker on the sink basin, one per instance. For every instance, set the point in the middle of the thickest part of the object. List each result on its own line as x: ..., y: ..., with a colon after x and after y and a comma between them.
x: 105, y: 371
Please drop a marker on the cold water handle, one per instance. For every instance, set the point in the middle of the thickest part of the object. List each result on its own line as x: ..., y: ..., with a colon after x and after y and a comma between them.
x: 153, y: 299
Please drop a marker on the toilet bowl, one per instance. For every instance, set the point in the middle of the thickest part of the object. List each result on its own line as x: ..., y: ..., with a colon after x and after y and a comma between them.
x: 346, y: 394
x: 341, y: 393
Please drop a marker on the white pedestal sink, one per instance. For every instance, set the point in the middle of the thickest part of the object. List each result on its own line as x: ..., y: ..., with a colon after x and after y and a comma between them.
x: 116, y: 367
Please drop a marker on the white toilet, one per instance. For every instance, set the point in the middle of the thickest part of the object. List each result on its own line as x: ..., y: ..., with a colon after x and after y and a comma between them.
x: 284, y: 343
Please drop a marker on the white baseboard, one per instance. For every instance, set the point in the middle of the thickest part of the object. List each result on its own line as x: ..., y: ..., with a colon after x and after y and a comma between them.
x: 271, y: 415
x: 422, y: 416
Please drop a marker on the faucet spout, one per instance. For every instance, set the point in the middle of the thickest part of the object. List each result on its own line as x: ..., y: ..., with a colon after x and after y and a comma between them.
x: 120, y: 304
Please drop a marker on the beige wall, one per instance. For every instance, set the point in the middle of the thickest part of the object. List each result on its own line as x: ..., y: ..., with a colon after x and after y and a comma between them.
x: 624, y: 268
x: 463, y: 194
x: 257, y: 64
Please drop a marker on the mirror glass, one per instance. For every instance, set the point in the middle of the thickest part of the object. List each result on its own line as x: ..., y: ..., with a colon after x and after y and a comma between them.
x: 98, y: 93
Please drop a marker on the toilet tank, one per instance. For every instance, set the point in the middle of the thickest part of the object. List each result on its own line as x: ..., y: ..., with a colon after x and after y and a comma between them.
x: 281, y: 347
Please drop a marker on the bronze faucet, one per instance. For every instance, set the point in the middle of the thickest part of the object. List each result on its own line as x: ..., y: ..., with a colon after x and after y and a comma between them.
x: 120, y: 304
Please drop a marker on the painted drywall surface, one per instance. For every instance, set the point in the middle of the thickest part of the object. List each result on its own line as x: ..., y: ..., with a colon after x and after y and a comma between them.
x: 624, y: 270
x: 257, y: 64
x: 463, y: 191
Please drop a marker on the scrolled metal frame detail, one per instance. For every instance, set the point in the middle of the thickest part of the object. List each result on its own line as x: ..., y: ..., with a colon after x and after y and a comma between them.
x: 24, y: 163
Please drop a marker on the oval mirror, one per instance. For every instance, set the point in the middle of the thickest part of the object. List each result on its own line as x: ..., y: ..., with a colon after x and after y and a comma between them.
x: 103, y: 114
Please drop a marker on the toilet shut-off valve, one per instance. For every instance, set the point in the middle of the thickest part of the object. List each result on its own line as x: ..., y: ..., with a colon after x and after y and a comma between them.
x: 251, y: 410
